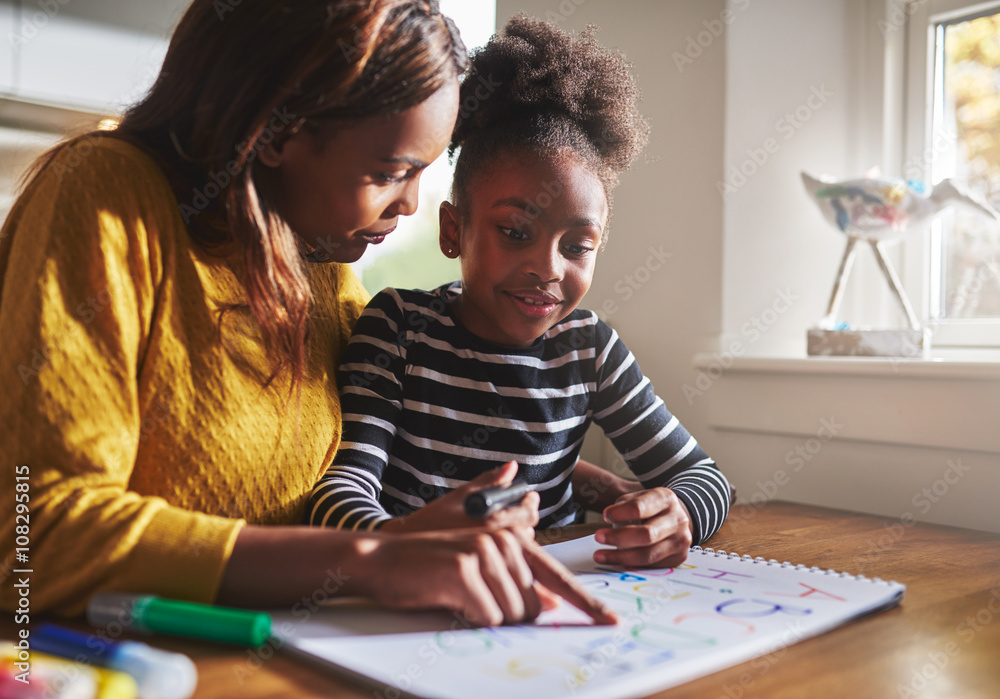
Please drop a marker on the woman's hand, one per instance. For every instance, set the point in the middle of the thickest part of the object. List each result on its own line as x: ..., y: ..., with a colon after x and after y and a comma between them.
x: 448, y: 511
x: 652, y: 528
x: 489, y: 577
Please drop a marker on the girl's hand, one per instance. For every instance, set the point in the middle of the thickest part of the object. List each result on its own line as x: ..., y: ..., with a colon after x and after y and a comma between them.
x: 490, y: 577
x: 448, y: 511
x: 595, y: 488
x: 652, y: 528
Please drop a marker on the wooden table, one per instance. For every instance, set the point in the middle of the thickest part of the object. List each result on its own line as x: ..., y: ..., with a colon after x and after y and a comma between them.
x: 943, y: 641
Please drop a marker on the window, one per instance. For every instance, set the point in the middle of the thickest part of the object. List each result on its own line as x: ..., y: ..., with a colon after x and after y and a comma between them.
x: 410, y: 257
x: 953, y: 131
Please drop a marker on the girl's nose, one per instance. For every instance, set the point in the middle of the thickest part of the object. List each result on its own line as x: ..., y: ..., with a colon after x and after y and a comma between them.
x: 545, y: 263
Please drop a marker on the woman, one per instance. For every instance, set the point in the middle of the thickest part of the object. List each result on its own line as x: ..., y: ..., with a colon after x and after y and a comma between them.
x: 174, y: 309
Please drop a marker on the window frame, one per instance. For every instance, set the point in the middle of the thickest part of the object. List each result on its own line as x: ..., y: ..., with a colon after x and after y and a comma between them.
x: 916, y: 54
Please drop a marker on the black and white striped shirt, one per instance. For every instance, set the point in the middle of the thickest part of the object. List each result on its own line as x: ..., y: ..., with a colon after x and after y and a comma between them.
x: 428, y: 406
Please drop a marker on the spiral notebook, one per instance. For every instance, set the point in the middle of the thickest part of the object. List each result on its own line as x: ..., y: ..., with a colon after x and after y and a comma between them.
x: 714, y: 611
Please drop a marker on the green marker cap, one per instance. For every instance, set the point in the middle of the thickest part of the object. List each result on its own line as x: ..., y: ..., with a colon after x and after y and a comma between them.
x: 150, y: 614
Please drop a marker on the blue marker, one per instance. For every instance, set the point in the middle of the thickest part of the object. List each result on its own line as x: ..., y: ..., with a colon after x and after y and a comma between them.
x: 158, y: 674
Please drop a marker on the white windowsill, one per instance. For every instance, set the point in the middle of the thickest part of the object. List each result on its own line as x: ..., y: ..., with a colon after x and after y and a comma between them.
x: 946, y: 364
x: 947, y: 404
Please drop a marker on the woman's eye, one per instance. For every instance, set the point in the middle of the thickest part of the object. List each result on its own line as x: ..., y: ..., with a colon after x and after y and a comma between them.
x: 393, y: 177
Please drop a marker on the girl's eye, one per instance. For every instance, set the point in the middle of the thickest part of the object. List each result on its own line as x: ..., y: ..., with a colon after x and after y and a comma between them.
x: 578, y: 250
x: 513, y: 233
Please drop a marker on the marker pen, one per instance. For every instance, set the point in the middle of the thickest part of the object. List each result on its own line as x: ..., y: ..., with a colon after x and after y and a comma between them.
x: 149, y: 614
x: 483, y: 503
x: 158, y: 674
x: 22, y: 671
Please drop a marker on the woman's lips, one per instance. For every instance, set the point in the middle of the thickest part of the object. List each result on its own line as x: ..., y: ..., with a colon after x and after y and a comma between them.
x: 376, y: 237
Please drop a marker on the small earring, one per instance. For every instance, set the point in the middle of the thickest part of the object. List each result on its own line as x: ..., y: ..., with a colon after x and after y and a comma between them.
x: 450, y: 251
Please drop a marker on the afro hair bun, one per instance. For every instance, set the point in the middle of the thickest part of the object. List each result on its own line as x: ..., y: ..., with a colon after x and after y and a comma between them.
x: 533, y: 73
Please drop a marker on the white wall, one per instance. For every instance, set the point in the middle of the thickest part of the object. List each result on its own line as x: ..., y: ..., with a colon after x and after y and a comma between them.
x: 788, y: 108
x: 799, y: 100
x: 755, y: 267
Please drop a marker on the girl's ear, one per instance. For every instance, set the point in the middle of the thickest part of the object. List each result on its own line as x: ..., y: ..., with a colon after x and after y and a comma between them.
x: 448, y: 220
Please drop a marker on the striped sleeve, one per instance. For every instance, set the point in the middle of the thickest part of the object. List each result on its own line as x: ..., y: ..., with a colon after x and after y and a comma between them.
x: 370, y: 381
x: 652, y: 441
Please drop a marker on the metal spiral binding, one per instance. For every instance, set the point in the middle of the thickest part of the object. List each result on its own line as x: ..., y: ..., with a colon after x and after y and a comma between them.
x: 759, y: 560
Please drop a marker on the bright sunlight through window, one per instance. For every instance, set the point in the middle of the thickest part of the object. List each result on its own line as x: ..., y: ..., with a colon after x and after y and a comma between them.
x: 966, y: 272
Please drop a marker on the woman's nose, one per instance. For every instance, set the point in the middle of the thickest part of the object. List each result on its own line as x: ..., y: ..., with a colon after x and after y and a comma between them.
x: 408, y: 199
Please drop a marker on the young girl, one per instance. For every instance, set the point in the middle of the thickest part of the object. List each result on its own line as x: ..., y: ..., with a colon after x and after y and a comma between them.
x: 438, y: 387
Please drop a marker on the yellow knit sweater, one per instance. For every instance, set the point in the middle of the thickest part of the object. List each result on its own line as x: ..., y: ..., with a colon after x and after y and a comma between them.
x: 148, y: 438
